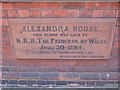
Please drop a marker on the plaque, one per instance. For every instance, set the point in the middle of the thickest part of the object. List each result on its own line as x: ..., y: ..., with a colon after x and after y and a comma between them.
x: 63, y: 38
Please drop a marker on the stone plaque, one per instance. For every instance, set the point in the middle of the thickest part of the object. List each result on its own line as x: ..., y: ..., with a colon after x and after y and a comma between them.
x: 63, y: 38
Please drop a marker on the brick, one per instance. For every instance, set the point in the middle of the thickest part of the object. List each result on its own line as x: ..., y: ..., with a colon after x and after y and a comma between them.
x: 23, y: 69
x: 71, y: 82
x: 14, y: 69
x: 49, y: 75
x: 4, y: 22
x: 109, y: 13
x: 114, y: 5
x: 69, y: 76
x: 7, y: 50
x: 5, y: 30
x: 6, y: 44
x: 24, y: 13
x: 31, y: 82
x: 35, y: 13
x: 23, y: 82
x: 47, y: 13
x: 5, y: 82
x: 42, y: 69
x: 10, y: 57
x: 96, y: 69
x: 32, y: 69
x: 50, y: 82
x: 61, y: 82
x: 7, y: 5
x: 50, y: 69
x: 71, y: 69
x: 40, y: 82
x: 61, y: 69
x: 6, y: 38
x: 3, y: 13
x: 100, y: 83
x: 5, y: 69
x: 12, y: 13
x: 60, y: 13
x: 50, y: 62
x: 113, y: 76
x: 85, y: 13
x: 97, y: 13
x: 69, y: 63
x: 90, y: 83
x: 46, y: 5
x: 98, y: 5
x: 14, y: 75
x: 89, y: 76
x: 13, y: 82
x: 29, y: 75
x: 81, y: 83
x: 73, y: 13
x: 22, y: 5
x: 73, y: 5
x: 81, y: 69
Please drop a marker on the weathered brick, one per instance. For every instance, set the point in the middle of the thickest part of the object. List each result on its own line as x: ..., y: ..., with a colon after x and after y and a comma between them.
x: 31, y: 82
x: 50, y: 69
x: 60, y: 13
x: 6, y: 44
x: 12, y: 13
x: 7, y: 50
x: 29, y: 75
x: 69, y: 76
x: 50, y: 82
x: 35, y: 13
x: 23, y: 82
x: 47, y: 13
x: 96, y: 69
x: 73, y: 13
x: 97, y: 13
x: 46, y: 5
x: 40, y: 82
x: 50, y: 62
x: 32, y: 69
x: 42, y: 69
x: 82, y: 83
x: 109, y: 13
x: 5, y: 82
x: 61, y: 82
x: 14, y: 69
x: 24, y: 13
x: 98, y: 5
x: 74, y: 5
x: 69, y: 63
x: 15, y: 82
x: 88, y: 76
x: 7, y: 5
x: 22, y: 5
x: 5, y: 30
x: 81, y: 69
x: 71, y: 69
x: 49, y: 75
x: 90, y: 83
x: 4, y: 22
x: 114, y: 5
x: 3, y: 13
x: 61, y: 69
x: 5, y: 69
x: 23, y: 69
x: 85, y: 13
x: 11, y: 57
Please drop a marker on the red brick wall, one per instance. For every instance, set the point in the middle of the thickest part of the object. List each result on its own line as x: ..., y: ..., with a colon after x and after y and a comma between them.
x: 75, y: 70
